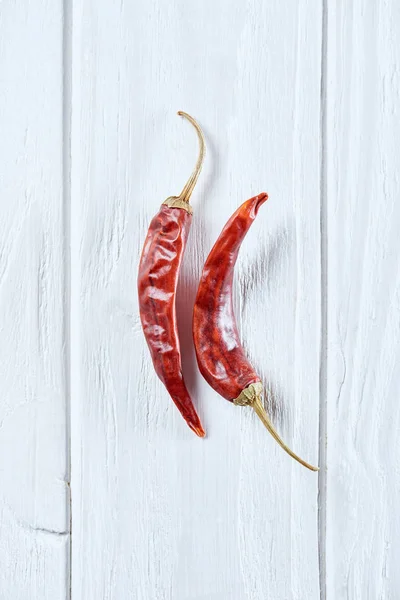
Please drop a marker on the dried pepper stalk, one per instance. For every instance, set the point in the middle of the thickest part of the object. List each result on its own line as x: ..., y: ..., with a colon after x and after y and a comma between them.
x: 220, y: 355
x: 158, y: 276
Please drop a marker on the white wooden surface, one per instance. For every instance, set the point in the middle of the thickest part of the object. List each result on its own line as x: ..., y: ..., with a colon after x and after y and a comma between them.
x: 299, y: 99
x: 363, y: 219
x: 34, y: 493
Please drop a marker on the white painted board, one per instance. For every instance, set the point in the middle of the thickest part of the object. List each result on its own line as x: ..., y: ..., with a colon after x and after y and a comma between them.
x: 34, y: 498
x: 363, y: 291
x: 157, y: 513
x: 296, y: 99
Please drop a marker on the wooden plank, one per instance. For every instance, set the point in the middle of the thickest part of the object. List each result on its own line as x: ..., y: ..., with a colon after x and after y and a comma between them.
x: 158, y: 513
x: 363, y: 128
x: 34, y: 519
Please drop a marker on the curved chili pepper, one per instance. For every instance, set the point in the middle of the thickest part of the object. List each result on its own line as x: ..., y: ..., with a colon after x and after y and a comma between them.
x: 158, y: 276
x: 220, y: 355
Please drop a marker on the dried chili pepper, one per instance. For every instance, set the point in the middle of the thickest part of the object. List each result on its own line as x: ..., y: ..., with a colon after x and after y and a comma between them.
x: 220, y: 355
x: 158, y: 276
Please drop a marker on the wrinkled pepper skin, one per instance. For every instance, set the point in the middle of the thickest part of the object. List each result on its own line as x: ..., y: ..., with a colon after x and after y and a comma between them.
x: 220, y: 355
x: 158, y: 276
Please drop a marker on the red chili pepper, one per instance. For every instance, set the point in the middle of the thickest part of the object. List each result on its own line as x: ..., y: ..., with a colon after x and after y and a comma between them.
x: 158, y: 276
x: 220, y: 355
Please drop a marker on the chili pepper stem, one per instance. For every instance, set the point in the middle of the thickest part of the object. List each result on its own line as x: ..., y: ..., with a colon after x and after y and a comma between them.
x: 259, y: 409
x: 191, y: 182
x: 251, y: 396
x: 182, y: 201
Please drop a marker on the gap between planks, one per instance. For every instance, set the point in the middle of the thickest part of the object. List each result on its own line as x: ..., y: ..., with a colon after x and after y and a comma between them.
x: 323, y: 387
x: 66, y: 200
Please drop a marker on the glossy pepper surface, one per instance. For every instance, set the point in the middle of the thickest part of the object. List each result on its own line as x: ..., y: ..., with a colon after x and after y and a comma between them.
x: 157, y: 282
x: 220, y: 355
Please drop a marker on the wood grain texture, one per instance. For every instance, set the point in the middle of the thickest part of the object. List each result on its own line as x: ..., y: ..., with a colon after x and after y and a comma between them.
x: 34, y: 519
x: 157, y: 513
x: 363, y: 132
